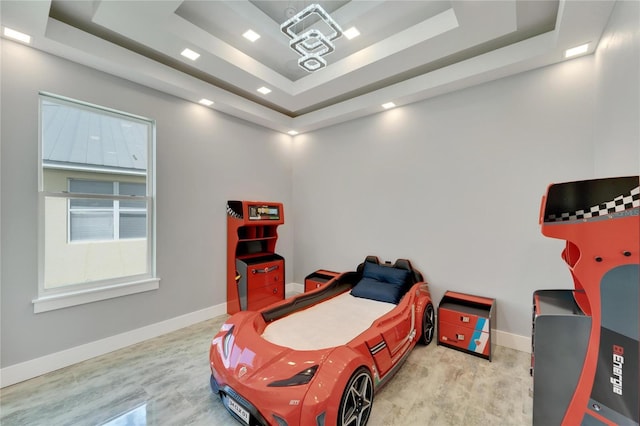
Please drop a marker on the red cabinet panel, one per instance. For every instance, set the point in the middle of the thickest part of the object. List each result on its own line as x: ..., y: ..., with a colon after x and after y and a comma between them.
x: 261, y: 281
x: 260, y: 297
x: 466, y: 338
x: 265, y: 284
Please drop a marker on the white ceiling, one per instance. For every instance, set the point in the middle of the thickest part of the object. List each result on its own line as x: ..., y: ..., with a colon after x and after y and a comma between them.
x: 407, y: 51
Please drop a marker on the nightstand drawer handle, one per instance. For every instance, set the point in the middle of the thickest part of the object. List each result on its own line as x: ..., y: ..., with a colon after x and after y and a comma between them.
x: 265, y: 270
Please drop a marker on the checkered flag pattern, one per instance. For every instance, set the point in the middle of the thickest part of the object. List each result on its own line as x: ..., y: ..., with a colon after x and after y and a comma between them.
x: 232, y: 213
x: 618, y: 204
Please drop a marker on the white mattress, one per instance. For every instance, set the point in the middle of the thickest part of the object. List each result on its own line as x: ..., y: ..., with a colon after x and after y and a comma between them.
x: 327, y: 324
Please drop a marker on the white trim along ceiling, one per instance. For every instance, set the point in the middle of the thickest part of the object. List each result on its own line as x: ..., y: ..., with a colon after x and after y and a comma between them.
x: 407, y: 51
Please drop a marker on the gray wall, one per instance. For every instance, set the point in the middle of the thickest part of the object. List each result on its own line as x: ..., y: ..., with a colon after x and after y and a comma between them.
x: 204, y: 158
x: 454, y: 183
x: 617, y: 144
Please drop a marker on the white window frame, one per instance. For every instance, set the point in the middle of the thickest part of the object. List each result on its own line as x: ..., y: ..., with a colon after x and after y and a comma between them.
x: 77, y: 294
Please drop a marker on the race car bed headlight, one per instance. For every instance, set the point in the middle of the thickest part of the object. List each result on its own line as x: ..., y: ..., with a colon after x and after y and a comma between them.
x: 302, y: 378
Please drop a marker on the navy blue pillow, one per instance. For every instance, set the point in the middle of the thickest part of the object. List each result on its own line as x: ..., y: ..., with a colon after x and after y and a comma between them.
x: 385, y: 274
x: 368, y: 288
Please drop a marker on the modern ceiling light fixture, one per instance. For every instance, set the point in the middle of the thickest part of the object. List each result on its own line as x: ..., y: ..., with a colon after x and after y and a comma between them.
x: 575, y: 51
x: 17, y: 35
x: 188, y: 53
x: 311, y: 44
x: 351, y: 33
x: 251, y: 35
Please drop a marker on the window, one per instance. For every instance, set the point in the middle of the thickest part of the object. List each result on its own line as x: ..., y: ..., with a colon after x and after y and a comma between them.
x: 95, y: 220
x: 96, y: 233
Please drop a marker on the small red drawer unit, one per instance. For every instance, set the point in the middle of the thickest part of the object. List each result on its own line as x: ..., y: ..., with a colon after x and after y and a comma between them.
x: 465, y: 323
x: 260, y: 281
x: 318, y: 278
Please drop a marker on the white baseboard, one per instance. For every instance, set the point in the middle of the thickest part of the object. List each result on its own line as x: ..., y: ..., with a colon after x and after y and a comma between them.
x: 513, y: 341
x: 36, y: 367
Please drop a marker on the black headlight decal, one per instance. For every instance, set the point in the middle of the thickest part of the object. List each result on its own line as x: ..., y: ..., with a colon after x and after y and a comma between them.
x: 302, y: 378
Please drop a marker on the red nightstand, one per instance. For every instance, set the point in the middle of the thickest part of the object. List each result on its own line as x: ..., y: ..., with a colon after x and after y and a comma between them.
x: 465, y: 323
x: 318, y: 278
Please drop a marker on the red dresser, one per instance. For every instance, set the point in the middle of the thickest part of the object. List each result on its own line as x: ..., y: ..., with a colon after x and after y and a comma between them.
x: 255, y: 273
x: 465, y: 323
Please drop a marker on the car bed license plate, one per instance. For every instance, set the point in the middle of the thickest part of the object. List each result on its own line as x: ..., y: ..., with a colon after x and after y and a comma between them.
x: 239, y: 410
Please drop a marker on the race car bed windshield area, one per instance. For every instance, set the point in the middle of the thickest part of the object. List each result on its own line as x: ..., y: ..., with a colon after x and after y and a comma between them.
x: 327, y: 324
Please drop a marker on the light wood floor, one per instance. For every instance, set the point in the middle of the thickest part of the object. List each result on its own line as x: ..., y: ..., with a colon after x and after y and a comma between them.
x: 165, y: 381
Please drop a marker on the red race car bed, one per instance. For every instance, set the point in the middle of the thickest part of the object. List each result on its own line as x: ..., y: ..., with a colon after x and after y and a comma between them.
x: 318, y: 358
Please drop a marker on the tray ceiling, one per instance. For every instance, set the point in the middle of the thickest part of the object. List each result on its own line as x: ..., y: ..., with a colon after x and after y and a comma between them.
x: 406, y: 51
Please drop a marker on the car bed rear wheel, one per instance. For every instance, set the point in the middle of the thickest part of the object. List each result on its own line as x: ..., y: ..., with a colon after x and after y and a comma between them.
x: 357, y: 399
x: 428, y: 324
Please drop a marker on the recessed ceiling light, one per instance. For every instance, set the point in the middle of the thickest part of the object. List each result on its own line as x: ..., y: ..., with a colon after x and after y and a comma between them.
x: 264, y: 90
x: 251, y: 35
x: 388, y: 105
x: 292, y: 132
x: 351, y: 33
x: 205, y: 102
x: 188, y: 53
x: 17, y: 35
x: 575, y: 51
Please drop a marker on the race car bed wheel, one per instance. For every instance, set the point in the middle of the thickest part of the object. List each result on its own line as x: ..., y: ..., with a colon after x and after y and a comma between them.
x: 357, y: 399
x: 428, y: 324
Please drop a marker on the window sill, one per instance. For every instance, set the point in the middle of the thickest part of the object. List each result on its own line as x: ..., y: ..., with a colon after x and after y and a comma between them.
x: 65, y: 300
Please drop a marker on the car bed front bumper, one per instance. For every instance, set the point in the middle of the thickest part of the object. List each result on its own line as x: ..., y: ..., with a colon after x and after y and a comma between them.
x: 227, y: 394
x: 255, y: 418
